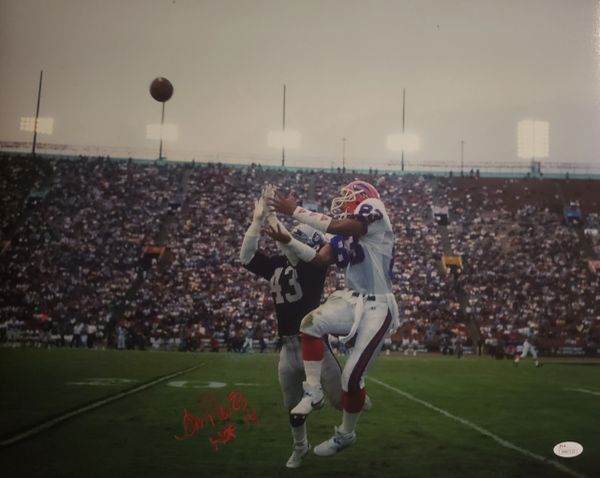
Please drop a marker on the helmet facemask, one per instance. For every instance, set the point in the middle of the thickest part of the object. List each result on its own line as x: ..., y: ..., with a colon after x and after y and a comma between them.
x: 345, y: 204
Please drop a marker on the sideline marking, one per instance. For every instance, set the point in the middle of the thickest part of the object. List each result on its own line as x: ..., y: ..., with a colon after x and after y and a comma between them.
x: 481, y: 430
x: 583, y: 390
x: 99, y: 403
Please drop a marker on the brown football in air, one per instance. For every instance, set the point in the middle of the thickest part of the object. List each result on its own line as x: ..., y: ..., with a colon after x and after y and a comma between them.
x: 161, y: 89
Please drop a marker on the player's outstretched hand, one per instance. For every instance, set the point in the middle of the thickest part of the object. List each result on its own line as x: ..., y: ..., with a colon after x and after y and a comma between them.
x: 260, y: 211
x: 279, y: 234
x: 268, y: 191
x: 283, y: 204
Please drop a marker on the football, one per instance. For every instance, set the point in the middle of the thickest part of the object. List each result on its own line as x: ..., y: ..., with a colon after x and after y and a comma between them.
x: 161, y: 89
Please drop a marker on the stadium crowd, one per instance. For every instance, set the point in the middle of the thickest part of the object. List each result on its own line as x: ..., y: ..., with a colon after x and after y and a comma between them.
x: 527, y: 274
x: 72, y: 273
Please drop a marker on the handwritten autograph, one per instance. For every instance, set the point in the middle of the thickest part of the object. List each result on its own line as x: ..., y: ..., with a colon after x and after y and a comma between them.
x: 218, y: 415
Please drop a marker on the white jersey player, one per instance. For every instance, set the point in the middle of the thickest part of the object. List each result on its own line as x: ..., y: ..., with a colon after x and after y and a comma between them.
x: 366, y: 310
x: 528, y: 348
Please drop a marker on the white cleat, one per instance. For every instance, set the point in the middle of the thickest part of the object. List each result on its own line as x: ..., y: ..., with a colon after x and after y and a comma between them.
x: 313, y: 399
x: 300, y: 451
x: 368, y: 404
x: 336, y: 443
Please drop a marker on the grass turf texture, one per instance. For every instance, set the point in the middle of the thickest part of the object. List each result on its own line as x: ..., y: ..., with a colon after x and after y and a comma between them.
x: 134, y: 436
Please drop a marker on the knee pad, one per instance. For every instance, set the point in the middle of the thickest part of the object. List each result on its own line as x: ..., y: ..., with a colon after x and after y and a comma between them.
x: 297, y: 420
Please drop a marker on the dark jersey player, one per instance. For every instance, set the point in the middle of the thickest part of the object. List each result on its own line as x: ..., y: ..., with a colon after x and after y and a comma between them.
x: 296, y: 289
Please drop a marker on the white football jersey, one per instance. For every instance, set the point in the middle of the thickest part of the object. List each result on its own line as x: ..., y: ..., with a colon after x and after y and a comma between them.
x: 369, y: 270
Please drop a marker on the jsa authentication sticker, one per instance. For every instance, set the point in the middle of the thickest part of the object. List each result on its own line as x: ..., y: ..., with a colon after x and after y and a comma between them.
x: 568, y: 449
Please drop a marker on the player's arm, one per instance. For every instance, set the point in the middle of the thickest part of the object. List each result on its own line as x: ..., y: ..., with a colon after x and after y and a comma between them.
x: 250, y: 241
x: 307, y: 254
x: 348, y: 227
x: 249, y: 246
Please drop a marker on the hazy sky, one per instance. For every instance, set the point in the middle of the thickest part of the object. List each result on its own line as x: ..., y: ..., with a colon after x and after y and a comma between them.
x: 471, y: 68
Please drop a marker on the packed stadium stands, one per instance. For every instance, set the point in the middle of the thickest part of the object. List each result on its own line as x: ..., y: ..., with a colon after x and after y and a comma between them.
x: 75, y: 268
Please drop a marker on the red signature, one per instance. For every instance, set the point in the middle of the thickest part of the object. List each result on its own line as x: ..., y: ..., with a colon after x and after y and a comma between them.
x: 236, y: 402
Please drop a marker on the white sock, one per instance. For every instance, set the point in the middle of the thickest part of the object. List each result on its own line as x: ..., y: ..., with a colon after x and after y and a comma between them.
x: 349, y: 421
x: 312, y: 368
x: 299, y: 434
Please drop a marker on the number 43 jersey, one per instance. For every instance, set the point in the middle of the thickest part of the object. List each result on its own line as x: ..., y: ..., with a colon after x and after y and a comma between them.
x: 296, y: 290
x: 368, y: 259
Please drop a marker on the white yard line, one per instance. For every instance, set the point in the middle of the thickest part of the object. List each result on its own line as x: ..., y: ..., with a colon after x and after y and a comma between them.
x: 583, y: 390
x: 483, y: 431
x: 99, y: 403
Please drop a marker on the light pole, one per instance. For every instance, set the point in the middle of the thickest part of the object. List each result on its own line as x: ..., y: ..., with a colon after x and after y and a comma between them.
x: 37, y: 113
x: 403, y: 122
x: 283, y: 129
x: 462, y: 157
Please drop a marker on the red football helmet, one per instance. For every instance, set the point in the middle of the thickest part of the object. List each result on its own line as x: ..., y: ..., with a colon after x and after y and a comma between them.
x: 352, y: 195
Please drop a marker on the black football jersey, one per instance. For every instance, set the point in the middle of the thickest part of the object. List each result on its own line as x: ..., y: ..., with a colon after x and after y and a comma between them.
x: 296, y: 290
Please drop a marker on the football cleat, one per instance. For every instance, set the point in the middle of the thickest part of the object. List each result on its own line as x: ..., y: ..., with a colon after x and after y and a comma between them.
x: 313, y: 399
x: 336, y: 443
x: 300, y: 451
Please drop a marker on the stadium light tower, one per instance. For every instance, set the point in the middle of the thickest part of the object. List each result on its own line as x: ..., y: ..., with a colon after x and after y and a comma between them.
x: 162, y: 132
x: 462, y: 157
x: 36, y: 124
x: 344, y: 139
x: 403, y: 122
x: 37, y: 113
x: 403, y: 142
x: 283, y: 139
x: 283, y: 129
x: 533, y: 140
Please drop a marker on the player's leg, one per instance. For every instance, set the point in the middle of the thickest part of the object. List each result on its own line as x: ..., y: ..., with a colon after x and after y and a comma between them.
x: 387, y: 343
x: 526, y: 350
x: 369, y: 339
x: 291, y: 375
x: 335, y: 316
x: 534, y: 354
x: 331, y: 380
x: 331, y: 377
x: 523, y: 353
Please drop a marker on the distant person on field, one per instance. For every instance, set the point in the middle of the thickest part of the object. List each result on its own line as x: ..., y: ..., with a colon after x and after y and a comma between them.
x: 528, y: 348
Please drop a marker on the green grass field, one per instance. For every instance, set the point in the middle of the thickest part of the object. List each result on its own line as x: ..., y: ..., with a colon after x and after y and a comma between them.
x: 529, y: 410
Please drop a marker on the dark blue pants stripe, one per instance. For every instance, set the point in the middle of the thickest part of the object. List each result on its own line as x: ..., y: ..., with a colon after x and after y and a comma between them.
x: 365, y: 357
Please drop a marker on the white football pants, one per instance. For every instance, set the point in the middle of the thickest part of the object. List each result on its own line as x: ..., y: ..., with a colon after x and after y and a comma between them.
x: 337, y: 316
